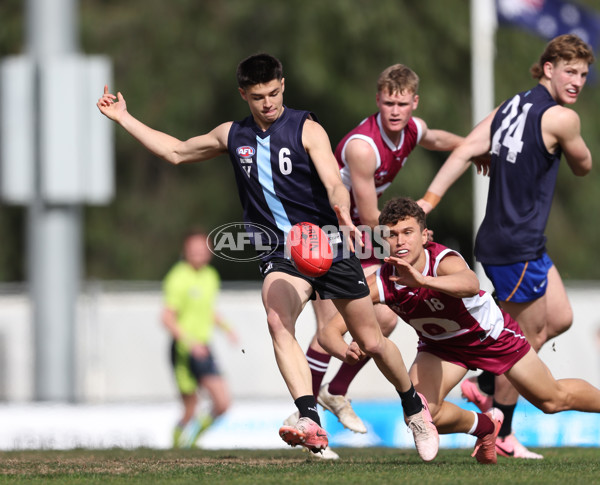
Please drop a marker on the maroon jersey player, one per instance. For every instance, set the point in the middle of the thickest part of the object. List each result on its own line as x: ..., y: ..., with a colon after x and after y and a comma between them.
x: 460, y: 327
x: 370, y: 156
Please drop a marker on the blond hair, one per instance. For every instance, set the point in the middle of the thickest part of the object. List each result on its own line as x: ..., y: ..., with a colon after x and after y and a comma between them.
x: 398, y: 79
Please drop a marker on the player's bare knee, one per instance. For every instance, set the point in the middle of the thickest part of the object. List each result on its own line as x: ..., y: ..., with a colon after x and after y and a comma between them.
x: 538, y: 340
x: 221, y: 407
x: 560, y: 329
x: 434, y: 410
x: 275, y: 323
x: 388, y: 324
x: 373, y: 348
x: 552, y: 407
x: 559, y: 321
x: 568, y: 318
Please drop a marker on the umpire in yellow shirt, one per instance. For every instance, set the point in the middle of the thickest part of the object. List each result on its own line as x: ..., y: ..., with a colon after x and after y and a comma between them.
x: 190, y: 290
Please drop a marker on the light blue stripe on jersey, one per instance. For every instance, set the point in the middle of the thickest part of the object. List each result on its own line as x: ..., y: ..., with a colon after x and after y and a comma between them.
x: 265, y: 177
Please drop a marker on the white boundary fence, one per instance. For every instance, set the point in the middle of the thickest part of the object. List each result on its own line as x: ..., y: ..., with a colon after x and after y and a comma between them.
x: 126, y: 397
x: 122, y: 350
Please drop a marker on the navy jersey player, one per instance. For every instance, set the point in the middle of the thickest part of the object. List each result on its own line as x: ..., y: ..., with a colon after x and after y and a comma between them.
x: 460, y: 327
x: 274, y: 174
x: 527, y: 136
x: 287, y: 173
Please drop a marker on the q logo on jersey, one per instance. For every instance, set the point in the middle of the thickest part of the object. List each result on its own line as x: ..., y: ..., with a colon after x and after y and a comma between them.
x: 246, y: 153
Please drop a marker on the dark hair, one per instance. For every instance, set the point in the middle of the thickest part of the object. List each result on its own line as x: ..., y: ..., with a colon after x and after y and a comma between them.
x: 400, y: 209
x: 567, y: 47
x: 258, y: 69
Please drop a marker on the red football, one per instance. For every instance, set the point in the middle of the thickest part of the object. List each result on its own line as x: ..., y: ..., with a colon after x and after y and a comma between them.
x: 309, y: 248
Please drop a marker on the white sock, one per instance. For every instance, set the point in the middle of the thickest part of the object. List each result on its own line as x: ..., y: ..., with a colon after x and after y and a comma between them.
x: 472, y: 430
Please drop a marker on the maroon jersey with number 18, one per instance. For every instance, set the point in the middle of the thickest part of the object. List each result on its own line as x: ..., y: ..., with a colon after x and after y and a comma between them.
x: 472, y: 332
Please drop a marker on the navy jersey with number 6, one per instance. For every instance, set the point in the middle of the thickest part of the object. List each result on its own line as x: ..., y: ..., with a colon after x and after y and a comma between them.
x: 278, y: 183
x: 522, y: 181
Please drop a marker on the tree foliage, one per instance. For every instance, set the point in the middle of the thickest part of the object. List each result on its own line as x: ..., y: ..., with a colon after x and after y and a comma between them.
x: 175, y: 64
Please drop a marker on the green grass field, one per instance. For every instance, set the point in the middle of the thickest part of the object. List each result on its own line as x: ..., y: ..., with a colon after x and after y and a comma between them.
x: 357, y: 466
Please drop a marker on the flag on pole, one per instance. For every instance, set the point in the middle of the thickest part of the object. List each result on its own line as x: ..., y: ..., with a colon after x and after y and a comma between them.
x: 549, y: 18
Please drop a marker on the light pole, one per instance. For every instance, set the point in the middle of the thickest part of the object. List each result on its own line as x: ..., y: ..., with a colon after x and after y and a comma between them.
x: 56, y: 155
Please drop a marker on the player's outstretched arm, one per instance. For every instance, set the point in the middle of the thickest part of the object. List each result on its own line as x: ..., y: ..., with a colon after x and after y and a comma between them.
x: 438, y: 140
x: 474, y: 145
x: 161, y: 144
x: 362, y: 163
x: 227, y: 328
x: 317, y: 145
x: 453, y: 276
x: 331, y: 336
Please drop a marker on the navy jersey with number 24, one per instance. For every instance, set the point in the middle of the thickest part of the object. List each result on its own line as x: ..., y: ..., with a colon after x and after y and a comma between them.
x: 278, y: 183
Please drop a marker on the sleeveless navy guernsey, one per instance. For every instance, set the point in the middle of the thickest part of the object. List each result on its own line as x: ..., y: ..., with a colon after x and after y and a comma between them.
x: 278, y: 184
x: 522, y: 181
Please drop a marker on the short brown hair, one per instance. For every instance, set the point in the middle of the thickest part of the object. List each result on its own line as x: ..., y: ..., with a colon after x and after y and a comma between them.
x: 398, y: 79
x: 567, y: 47
x: 400, y: 209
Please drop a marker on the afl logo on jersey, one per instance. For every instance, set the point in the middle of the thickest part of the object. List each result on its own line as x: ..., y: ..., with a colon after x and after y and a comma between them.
x: 245, y: 152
